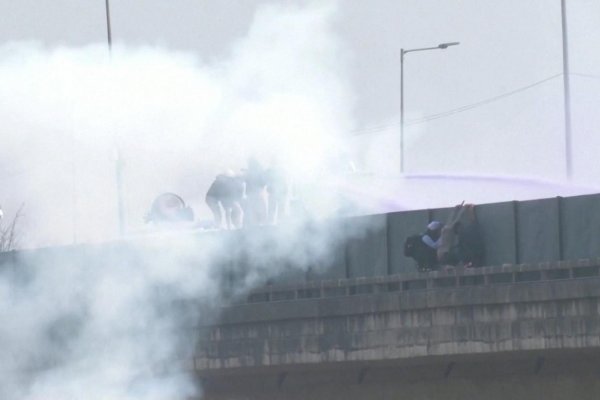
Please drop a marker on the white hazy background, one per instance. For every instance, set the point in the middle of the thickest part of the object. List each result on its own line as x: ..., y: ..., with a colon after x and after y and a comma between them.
x: 176, y: 121
x: 288, y: 79
x: 106, y: 322
x: 223, y: 49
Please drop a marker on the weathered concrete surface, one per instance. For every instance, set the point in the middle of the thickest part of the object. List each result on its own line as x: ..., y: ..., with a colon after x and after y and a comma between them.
x: 346, y: 326
x: 525, y: 316
x: 430, y: 335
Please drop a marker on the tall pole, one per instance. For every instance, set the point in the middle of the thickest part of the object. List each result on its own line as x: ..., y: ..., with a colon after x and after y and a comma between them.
x: 118, y: 158
x: 401, y: 111
x: 108, y: 30
x: 441, y: 46
x: 567, y: 94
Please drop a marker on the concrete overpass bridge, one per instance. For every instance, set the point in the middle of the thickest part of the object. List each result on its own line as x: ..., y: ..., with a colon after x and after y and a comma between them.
x: 515, y: 331
x: 369, y: 326
x: 362, y: 323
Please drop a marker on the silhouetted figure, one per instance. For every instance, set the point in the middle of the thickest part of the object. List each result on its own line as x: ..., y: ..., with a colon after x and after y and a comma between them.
x: 432, y: 236
x: 447, y: 251
x: 224, y: 200
x: 169, y: 208
x: 461, y: 241
x: 423, y: 247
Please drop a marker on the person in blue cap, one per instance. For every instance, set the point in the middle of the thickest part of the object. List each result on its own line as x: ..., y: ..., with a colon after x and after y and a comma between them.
x: 433, y: 235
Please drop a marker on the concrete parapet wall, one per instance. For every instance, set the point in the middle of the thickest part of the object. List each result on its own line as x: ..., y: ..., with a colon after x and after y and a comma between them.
x: 535, y: 231
x: 365, y: 308
x: 411, y: 282
x: 526, y: 316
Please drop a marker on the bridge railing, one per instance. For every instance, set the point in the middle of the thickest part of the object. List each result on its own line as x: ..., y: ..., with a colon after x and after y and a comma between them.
x: 536, y: 232
x: 517, y: 232
x: 451, y: 278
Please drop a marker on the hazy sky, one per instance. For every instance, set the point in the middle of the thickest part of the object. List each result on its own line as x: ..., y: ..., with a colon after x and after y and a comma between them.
x: 505, y: 46
x: 195, y: 86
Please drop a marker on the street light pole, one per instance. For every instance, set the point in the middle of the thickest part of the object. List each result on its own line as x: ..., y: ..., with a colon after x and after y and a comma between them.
x: 108, y: 31
x: 441, y: 46
x: 567, y: 94
x: 118, y: 158
x: 401, y: 111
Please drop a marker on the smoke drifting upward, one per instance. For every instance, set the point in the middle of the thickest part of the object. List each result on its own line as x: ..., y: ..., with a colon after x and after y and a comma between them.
x: 176, y: 120
x: 93, y: 321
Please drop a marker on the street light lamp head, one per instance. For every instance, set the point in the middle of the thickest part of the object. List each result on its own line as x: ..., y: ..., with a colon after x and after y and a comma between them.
x: 445, y: 45
x: 402, y: 53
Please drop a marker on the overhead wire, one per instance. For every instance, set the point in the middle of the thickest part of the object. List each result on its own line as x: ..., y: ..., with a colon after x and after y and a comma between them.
x: 480, y: 103
x: 427, y: 118
x: 447, y: 113
x: 591, y: 76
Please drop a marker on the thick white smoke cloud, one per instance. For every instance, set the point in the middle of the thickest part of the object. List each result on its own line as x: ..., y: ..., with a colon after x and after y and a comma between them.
x: 120, y: 320
x: 101, y: 321
x: 176, y: 121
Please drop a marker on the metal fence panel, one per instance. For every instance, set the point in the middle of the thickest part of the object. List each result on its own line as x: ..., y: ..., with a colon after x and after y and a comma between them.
x: 538, y: 231
x: 498, y: 228
x: 580, y: 226
x: 366, y: 251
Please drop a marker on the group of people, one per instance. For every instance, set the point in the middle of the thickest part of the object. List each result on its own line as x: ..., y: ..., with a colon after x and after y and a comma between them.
x: 457, y: 242
x: 255, y: 196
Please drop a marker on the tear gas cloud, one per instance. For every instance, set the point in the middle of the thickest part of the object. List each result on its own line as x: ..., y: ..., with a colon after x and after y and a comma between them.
x: 106, y: 321
x: 121, y: 320
x: 175, y: 120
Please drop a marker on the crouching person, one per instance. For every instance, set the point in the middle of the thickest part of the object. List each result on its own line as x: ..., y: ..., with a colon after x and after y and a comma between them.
x: 458, y: 242
x: 423, y: 247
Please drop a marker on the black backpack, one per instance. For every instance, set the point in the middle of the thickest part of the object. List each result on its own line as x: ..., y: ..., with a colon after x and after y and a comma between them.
x: 411, y: 245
